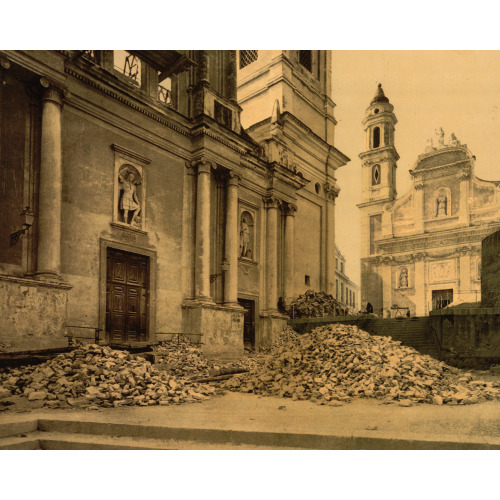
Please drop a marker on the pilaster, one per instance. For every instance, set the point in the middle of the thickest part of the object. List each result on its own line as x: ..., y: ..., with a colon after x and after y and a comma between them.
x: 290, y: 211
x: 231, y: 243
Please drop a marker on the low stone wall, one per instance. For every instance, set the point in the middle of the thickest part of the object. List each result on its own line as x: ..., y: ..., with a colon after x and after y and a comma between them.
x: 32, y: 314
x: 218, y: 328
x: 469, y: 337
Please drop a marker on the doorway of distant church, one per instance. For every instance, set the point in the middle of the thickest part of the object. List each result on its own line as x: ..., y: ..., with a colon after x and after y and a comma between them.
x: 248, y: 323
x: 441, y: 298
x: 127, y: 296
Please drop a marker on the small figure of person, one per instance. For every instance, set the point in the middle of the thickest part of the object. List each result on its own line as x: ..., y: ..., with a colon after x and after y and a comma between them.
x: 282, y: 306
x: 244, y: 238
x: 129, y: 200
x: 441, y: 208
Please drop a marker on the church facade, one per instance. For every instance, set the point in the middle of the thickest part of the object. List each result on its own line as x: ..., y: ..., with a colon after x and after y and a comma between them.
x: 147, y: 209
x: 421, y: 251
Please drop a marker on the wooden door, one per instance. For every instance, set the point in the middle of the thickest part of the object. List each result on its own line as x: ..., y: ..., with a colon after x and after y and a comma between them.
x: 248, y: 322
x: 127, y: 300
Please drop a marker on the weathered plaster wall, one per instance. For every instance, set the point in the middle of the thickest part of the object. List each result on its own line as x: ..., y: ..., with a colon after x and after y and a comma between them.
x: 89, y: 166
x: 32, y: 314
x: 308, y: 256
x: 490, y: 271
x: 468, y: 336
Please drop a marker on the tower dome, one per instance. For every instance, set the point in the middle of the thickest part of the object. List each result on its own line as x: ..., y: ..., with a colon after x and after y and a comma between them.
x: 379, y: 96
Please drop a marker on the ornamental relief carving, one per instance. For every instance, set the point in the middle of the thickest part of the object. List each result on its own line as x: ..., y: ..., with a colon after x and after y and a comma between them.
x: 442, y: 271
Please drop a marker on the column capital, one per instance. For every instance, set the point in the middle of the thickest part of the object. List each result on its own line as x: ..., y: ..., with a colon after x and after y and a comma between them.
x: 202, y: 165
x: 331, y: 191
x: 52, y: 91
x: 4, y: 62
x: 272, y: 202
x: 233, y: 178
x: 290, y: 209
x: 418, y: 185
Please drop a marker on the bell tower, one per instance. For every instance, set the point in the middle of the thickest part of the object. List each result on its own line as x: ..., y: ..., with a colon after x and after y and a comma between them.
x: 378, y: 163
x: 379, y: 156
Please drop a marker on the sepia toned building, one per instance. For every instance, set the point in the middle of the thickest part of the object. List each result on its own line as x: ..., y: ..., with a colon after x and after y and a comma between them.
x: 346, y: 291
x: 421, y: 251
x: 148, y: 210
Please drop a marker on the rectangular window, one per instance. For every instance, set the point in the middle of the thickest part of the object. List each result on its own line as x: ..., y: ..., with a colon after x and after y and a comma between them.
x: 342, y: 292
x: 307, y: 280
x: 375, y: 228
x: 305, y: 59
x: 127, y: 64
x: 341, y: 267
x: 165, y: 91
x: 337, y: 289
x: 248, y: 57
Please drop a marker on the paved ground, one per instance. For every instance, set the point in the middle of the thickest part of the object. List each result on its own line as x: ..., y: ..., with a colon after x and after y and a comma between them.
x: 478, y: 423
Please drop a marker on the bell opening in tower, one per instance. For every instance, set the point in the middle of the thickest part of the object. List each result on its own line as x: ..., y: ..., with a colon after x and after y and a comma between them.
x: 376, y: 137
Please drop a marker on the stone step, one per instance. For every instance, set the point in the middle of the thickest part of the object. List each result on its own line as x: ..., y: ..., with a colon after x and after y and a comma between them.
x: 43, y: 440
x: 40, y: 440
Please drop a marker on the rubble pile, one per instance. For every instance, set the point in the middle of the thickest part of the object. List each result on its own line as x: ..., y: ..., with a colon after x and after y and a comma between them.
x: 336, y: 363
x: 181, y: 358
x: 315, y: 305
x: 99, y: 376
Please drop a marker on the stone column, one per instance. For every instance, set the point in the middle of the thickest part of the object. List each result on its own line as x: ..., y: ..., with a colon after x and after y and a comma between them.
x: 204, y: 70
x: 419, y: 283
x: 331, y: 194
x: 50, y: 194
x: 419, y: 207
x: 289, y: 270
x: 272, y: 205
x: 202, y: 267
x: 189, y: 235
x: 463, y: 217
x: 465, y: 276
x: 232, y: 240
x: 386, y: 275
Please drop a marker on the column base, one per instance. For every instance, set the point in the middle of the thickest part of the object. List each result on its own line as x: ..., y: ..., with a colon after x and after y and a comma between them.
x: 219, y: 328
x: 272, y: 324
x: 49, y: 277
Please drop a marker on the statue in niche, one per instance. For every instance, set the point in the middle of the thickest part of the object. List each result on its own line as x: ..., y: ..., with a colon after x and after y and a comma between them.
x: 441, y: 205
x: 403, y: 278
x: 129, y: 201
x: 245, y: 250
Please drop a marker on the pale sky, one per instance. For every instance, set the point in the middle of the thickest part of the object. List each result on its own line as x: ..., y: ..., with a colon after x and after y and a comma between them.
x: 456, y: 90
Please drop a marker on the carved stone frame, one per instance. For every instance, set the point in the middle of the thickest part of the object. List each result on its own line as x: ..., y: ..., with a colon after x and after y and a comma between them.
x: 104, y: 245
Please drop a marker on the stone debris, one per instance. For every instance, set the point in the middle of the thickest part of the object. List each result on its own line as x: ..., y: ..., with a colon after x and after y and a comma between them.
x: 316, y: 305
x: 336, y: 363
x: 100, y: 376
x: 180, y: 358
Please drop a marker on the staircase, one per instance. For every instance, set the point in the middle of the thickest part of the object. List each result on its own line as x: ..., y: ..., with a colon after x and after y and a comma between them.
x: 412, y: 332
x: 59, y: 434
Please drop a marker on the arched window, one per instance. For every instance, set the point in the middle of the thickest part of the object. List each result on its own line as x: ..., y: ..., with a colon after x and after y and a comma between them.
x: 376, y: 174
x: 376, y: 137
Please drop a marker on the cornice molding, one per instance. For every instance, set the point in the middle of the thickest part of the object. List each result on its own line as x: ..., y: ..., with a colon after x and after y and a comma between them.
x: 131, y: 154
x: 128, y: 102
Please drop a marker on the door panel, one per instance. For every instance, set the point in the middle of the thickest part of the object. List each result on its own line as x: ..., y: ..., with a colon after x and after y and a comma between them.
x: 127, y: 296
